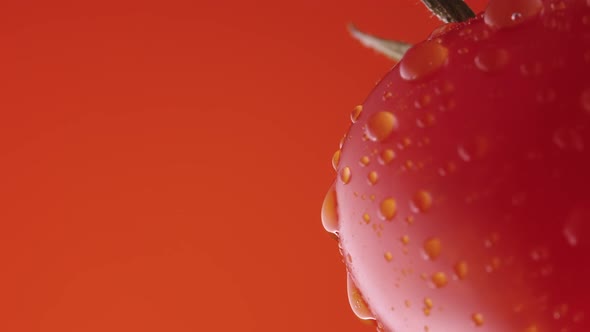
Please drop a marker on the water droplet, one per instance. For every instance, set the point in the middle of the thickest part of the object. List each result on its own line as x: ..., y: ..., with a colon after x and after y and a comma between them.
x: 477, y: 319
x: 445, y: 88
x: 439, y: 279
x: 380, y: 125
x: 432, y: 248
x: 386, y: 156
x: 357, y: 302
x: 345, y: 175
x: 366, y: 218
x: 428, y: 303
x: 388, y: 256
x: 545, y: 96
x: 422, y: 60
x: 364, y: 161
x: 441, y: 30
x: 477, y: 148
x: 508, y: 13
x: 410, y: 220
x: 387, y: 95
x: 388, y: 208
x: 330, y: 211
x: 461, y: 269
x: 585, y: 100
x: 422, y: 201
x: 426, y: 120
x: 342, y: 141
x: 423, y: 101
x: 356, y: 112
x: 492, y: 59
x: 568, y: 139
x: 532, y: 70
x: 373, y: 177
x: 336, y: 159
x: 405, y: 239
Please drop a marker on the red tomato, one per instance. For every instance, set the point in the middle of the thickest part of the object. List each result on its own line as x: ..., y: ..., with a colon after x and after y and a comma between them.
x: 462, y: 200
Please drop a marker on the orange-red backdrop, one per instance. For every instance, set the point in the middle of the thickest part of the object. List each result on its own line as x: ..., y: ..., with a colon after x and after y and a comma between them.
x: 163, y: 163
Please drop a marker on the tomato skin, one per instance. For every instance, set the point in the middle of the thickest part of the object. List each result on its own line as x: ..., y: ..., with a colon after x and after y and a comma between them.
x: 490, y: 179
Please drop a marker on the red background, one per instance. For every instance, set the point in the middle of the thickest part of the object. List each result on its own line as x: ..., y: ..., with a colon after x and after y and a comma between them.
x: 163, y: 164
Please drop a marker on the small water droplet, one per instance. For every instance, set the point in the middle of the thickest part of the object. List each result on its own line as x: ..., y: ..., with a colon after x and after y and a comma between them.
x: 364, y: 161
x: 439, y: 279
x: 568, y: 139
x: 422, y: 60
x: 380, y: 125
x: 410, y: 220
x: 342, y: 141
x: 421, y: 201
x: 426, y: 120
x: 357, y: 302
x: 388, y: 208
x: 444, y: 88
x: 492, y: 59
x: 405, y: 239
x: 546, y: 96
x: 330, y: 211
x: 388, y: 256
x: 461, y: 269
x: 423, y: 101
x: 428, y: 303
x: 336, y: 159
x: 366, y: 218
x: 356, y: 112
x: 532, y: 70
x: 585, y: 100
x: 345, y: 175
x: 386, y: 156
x: 508, y: 13
x: 477, y: 319
x: 373, y: 177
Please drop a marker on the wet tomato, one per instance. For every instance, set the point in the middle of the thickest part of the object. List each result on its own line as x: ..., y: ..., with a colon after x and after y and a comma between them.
x: 462, y: 196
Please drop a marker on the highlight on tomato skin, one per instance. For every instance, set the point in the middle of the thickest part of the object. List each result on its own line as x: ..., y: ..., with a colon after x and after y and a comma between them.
x: 461, y: 198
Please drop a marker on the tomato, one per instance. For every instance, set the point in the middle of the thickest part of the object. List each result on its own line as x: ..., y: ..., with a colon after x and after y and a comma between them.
x: 462, y: 197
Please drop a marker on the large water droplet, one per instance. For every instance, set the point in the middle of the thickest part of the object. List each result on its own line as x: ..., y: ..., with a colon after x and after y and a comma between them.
x: 330, y: 211
x: 373, y: 177
x: 345, y: 175
x: 432, y: 248
x: 380, y: 125
x: 356, y: 112
x: 421, y: 201
x: 388, y: 208
x: 423, y: 60
x: 492, y: 59
x: 477, y: 319
x: 357, y: 302
x: 439, y: 279
x: 508, y: 13
x: 461, y: 269
x: 386, y: 156
x: 336, y: 159
x: 364, y: 161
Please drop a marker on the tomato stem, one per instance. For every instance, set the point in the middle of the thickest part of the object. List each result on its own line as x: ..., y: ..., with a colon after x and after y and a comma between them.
x: 450, y: 10
x: 392, y: 49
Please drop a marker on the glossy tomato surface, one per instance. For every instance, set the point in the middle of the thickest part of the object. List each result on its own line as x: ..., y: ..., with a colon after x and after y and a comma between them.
x: 462, y: 196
